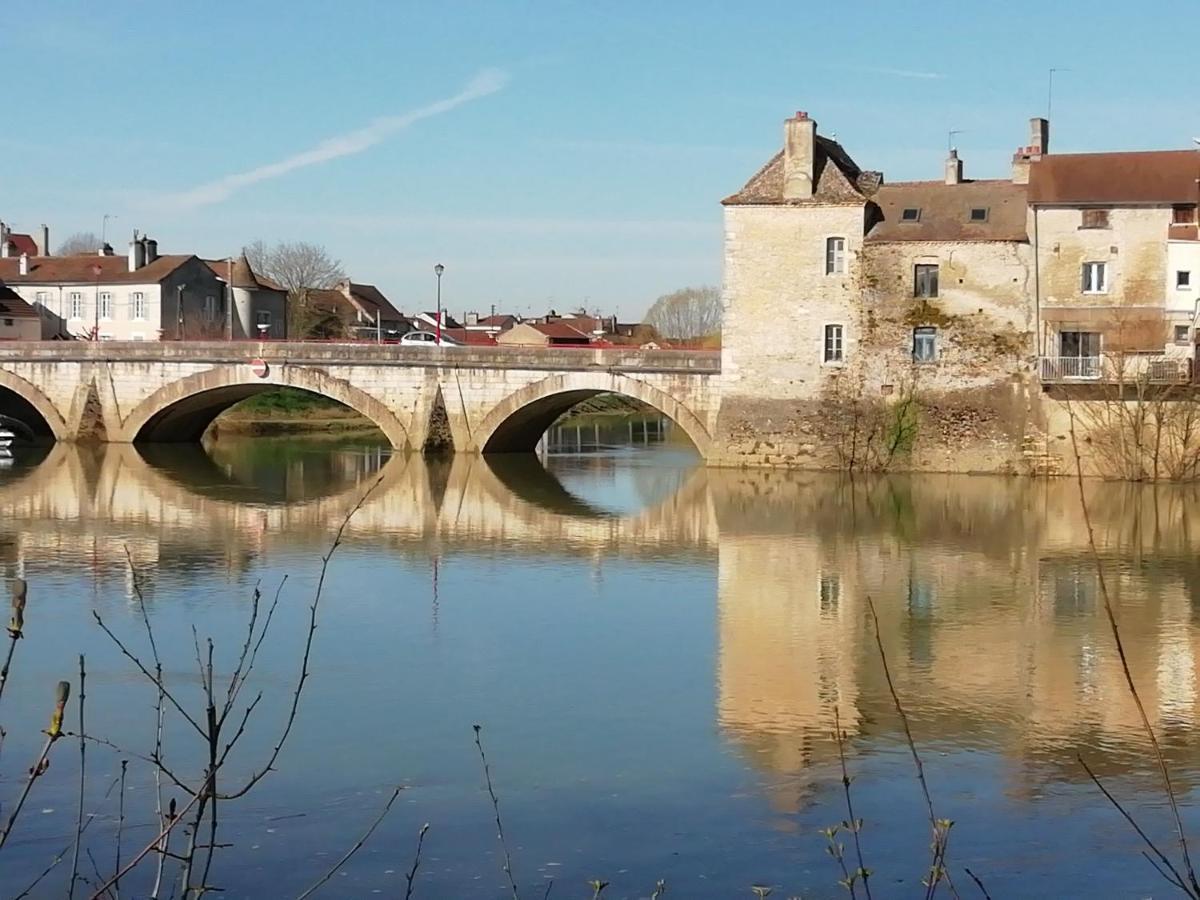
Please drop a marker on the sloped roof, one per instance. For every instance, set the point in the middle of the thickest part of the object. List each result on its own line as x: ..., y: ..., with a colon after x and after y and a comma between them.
x: 837, y: 179
x: 369, y: 294
x: 244, y: 275
x: 558, y: 330
x: 467, y: 336
x: 82, y: 270
x: 1145, y: 177
x: 945, y: 211
x: 13, y: 307
x: 22, y: 243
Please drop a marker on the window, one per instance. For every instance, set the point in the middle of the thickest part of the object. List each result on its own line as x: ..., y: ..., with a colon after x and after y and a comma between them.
x: 137, y: 305
x: 835, y: 256
x: 979, y: 214
x: 42, y: 298
x: 830, y: 592
x: 910, y: 214
x: 925, y: 280
x: 137, y: 336
x: 106, y: 305
x: 105, y: 336
x: 1079, y: 344
x: 1181, y: 334
x: 1183, y: 280
x: 833, y: 344
x: 8, y: 323
x: 1094, y: 218
x: 924, y: 348
x: 1183, y: 214
x: 76, y: 305
x: 1094, y: 278
x: 210, y: 308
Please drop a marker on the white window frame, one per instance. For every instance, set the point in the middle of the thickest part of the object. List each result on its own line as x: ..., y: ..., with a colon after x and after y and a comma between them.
x: 210, y: 308
x: 137, y: 306
x: 104, y: 305
x: 78, y: 310
x: 1184, y: 284
x: 833, y: 344
x: 262, y: 317
x: 1093, y: 277
x: 835, y: 256
x: 925, y: 331
x: 42, y: 299
x: 137, y: 336
x: 1187, y: 334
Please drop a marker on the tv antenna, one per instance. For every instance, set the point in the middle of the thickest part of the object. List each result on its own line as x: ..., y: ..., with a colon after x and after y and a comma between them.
x: 950, y: 137
x: 1050, y: 90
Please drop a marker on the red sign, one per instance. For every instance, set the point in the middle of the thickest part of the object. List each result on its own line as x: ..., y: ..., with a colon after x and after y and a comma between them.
x: 259, y: 367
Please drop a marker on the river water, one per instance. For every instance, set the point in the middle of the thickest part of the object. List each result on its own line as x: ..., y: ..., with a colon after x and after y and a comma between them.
x: 654, y: 651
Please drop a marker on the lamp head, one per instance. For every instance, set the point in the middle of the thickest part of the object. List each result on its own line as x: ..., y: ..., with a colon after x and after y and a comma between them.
x: 439, y: 269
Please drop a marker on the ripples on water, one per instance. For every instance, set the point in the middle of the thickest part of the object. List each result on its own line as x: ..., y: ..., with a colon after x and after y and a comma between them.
x: 654, y: 650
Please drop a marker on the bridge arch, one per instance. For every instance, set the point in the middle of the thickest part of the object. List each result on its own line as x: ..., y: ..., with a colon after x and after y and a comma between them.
x: 29, y: 399
x: 183, y: 409
x: 517, y: 422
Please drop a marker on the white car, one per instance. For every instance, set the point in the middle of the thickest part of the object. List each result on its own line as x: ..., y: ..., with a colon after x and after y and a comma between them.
x: 427, y: 339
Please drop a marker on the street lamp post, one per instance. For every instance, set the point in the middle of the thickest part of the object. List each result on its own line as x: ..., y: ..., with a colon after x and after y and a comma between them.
x: 438, y: 270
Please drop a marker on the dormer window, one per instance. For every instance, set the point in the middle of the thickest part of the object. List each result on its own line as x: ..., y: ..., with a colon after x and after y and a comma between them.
x: 910, y: 214
x: 979, y: 214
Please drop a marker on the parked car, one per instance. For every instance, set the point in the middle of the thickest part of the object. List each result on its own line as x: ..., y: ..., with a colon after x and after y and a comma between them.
x: 427, y: 339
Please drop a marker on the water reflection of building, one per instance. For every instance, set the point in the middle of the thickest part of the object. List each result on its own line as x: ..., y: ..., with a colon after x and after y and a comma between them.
x: 990, y: 614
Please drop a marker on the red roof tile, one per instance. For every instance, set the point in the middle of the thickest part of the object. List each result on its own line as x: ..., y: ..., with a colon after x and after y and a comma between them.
x: 22, y: 243
x: 82, y: 270
x: 1156, y: 177
x: 13, y: 307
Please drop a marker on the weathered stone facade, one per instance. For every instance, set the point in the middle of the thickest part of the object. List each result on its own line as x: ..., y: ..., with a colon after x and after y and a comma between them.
x: 927, y: 335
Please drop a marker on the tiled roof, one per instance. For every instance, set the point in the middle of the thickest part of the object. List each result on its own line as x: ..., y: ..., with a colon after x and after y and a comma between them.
x: 465, y: 336
x: 945, y: 211
x: 499, y: 319
x: 558, y: 330
x: 838, y: 179
x: 13, y: 307
x: 22, y: 243
x: 368, y: 293
x: 1153, y: 176
x: 82, y: 270
x: 244, y: 275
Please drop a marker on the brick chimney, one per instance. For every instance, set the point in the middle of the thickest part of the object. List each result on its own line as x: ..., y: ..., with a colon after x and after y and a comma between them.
x: 1039, y: 146
x: 799, y: 154
x: 954, y: 168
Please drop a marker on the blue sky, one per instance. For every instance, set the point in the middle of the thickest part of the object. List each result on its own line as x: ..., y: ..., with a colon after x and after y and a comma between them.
x: 548, y: 153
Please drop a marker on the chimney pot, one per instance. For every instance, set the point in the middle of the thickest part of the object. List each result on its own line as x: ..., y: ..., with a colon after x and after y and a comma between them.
x: 954, y: 168
x: 137, y: 253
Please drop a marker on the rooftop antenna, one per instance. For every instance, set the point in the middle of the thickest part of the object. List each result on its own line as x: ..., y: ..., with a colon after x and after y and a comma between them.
x: 950, y: 137
x: 104, y: 228
x: 1050, y: 91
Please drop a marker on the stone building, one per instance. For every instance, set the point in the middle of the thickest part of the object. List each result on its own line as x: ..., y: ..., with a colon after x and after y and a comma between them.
x: 259, y: 305
x: 850, y: 301
x: 843, y: 290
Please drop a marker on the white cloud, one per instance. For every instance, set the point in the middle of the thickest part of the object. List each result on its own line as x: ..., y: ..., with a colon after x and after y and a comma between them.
x: 899, y: 73
x: 486, y: 82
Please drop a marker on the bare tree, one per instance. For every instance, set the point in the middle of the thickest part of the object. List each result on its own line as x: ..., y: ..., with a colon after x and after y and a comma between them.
x: 692, y: 312
x: 298, y: 267
x: 79, y: 242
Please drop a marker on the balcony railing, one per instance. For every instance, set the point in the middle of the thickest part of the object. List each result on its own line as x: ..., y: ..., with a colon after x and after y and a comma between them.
x: 1129, y: 369
x: 1072, y: 368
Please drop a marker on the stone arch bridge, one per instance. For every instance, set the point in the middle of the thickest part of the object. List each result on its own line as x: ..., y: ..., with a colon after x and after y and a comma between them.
x: 492, y: 399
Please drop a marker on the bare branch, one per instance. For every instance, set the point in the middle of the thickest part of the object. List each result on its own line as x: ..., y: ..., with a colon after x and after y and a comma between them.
x: 358, y: 846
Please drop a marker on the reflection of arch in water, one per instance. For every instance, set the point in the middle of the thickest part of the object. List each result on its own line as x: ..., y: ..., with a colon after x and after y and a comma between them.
x: 528, y: 479
x: 193, y: 468
x: 183, y: 409
x: 517, y: 422
x: 27, y: 404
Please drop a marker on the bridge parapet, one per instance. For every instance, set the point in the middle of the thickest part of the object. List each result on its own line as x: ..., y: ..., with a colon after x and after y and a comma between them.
x: 332, y: 353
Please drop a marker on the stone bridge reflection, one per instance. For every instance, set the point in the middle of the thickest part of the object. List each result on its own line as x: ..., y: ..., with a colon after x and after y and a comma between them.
x: 987, y: 598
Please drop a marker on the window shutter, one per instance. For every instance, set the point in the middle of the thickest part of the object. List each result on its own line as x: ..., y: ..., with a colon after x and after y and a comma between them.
x: 1083, y: 278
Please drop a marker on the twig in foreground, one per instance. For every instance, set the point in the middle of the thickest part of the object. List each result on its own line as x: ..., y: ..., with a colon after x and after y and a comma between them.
x: 979, y: 884
x: 358, y: 846
x: 53, y: 733
x: 940, y: 827
x: 82, y: 781
x: 487, y: 774
x: 853, y: 823
x: 411, y: 875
